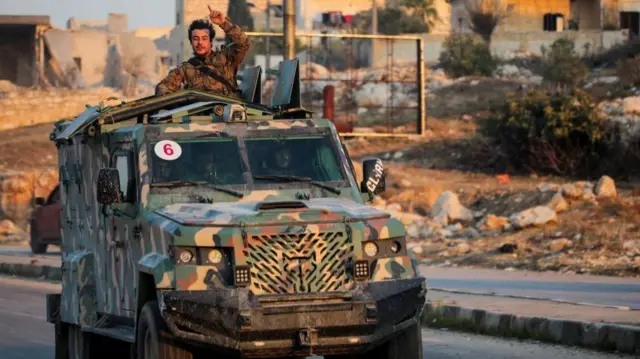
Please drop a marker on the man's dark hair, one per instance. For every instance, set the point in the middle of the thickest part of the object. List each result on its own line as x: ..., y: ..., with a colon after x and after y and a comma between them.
x: 202, y: 25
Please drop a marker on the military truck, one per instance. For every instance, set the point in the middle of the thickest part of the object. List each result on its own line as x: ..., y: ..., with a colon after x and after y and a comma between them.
x: 202, y: 226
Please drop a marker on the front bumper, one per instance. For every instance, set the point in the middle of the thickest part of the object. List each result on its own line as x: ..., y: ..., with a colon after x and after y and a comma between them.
x: 235, y: 320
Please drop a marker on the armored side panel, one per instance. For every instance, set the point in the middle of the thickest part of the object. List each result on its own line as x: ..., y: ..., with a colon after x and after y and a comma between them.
x: 287, y: 88
x: 251, y: 86
x: 80, y: 158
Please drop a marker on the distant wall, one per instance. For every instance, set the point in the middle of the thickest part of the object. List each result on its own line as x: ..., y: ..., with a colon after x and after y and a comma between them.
x: 18, y: 108
x: 503, y: 43
x: 91, y: 47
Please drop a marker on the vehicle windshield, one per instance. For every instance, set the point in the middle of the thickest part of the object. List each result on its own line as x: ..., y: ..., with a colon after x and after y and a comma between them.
x: 216, y: 162
x: 309, y: 157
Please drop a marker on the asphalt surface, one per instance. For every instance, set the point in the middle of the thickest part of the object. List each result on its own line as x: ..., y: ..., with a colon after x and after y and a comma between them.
x: 25, y: 334
x: 597, y: 290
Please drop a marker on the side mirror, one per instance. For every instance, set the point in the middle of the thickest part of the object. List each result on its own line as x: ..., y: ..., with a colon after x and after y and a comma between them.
x: 373, y: 176
x: 109, y: 186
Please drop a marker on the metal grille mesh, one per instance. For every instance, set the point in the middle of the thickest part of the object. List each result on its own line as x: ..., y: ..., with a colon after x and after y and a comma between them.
x: 299, y: 263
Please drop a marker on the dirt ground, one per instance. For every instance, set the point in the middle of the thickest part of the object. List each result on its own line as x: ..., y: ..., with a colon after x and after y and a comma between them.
x: 596, y: 237
x: 27, y: 148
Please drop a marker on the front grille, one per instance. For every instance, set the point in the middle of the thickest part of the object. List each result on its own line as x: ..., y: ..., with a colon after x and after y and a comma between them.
x: 299, y: 263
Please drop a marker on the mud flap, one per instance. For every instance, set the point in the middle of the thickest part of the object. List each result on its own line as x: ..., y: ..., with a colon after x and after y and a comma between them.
x: 61, y: 330
x: 53, y: 307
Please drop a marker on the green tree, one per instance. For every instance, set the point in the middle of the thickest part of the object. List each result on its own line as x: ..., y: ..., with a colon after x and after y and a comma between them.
x: 425, y: 10
x: 240, y: 15
x: 391, y: 21
x: 486, y: 15
x: 563, y: 66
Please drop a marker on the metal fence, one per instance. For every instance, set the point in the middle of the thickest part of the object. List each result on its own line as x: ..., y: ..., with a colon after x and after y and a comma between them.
x: 374, y: 84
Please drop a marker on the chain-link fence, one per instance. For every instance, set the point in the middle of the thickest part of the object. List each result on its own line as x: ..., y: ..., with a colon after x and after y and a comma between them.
x: 366, y: 84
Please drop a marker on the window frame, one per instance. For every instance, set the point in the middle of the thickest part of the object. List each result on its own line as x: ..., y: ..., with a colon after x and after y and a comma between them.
x: 326, y: 135
x: 131, y: 196
x: 236, y: 140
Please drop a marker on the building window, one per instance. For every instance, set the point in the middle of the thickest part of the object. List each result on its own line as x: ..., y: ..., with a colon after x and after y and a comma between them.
x: 178, y: 18
x: 553, y: 22
x: 78, y: 62
x: 630, y: 20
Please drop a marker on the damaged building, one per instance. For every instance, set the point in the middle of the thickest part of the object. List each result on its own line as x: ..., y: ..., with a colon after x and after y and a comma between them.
x: 22, y: 55
x: 85, y: 54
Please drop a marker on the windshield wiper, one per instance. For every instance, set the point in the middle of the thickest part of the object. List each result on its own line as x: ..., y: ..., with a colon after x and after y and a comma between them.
x: 298, y: 179
x: 197, y: 183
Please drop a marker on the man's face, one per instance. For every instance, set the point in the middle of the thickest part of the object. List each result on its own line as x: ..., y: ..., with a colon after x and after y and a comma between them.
x: 201, y: 42
x: 283, y: 158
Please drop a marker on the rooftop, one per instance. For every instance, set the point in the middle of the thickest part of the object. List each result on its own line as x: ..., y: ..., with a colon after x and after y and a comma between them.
x: 25, y: 20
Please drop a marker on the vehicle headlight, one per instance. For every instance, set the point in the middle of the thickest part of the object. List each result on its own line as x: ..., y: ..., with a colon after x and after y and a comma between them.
x: 395, y: 246
x: 186, y: 256
x: 370, y: 249
x: 214, y: 256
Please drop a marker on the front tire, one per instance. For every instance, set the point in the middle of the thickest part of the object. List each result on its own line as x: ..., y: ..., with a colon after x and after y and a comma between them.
x: 406, y: 345
x: 78, y: 343
x: 153, y: 340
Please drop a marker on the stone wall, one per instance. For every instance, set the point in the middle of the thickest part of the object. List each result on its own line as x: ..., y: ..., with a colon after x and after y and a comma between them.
x: 23, y: 107
x: 504, y: 43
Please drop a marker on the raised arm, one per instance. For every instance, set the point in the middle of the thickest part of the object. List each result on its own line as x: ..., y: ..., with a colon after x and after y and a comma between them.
x: 234, y: 54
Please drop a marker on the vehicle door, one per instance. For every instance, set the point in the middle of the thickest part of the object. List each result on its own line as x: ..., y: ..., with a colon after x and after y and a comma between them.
x: 122, y: 232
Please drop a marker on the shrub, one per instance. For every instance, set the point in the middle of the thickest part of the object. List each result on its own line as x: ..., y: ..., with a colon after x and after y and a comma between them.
x: 561, y: 134
x: 466, y: 55
x: 628, y: 71
x: 562, y: 64
x: 391, y: 21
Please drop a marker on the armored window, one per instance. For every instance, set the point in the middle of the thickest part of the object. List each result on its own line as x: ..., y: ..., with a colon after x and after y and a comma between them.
x: 216, y: 162
x: 309, y: 156
x: 123, y: 165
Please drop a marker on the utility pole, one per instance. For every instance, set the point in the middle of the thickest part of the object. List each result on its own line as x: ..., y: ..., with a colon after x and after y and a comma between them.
x: 374, y: 31
x: 374, y: 18
x: 289, y: 29
x: 268, y: 38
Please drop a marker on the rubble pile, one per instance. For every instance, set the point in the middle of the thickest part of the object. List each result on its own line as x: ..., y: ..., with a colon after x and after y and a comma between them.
x: 518, y: 74
x: 452, y: 233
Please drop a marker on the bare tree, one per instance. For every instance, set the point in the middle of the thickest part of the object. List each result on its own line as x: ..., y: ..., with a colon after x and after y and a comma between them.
x: 486, y: 15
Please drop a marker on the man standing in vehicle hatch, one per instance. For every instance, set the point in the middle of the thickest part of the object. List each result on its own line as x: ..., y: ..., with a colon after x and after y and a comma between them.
x: 208, y: 70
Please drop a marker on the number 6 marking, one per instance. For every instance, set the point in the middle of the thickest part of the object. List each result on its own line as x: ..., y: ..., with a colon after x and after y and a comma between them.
x: 168, y: 150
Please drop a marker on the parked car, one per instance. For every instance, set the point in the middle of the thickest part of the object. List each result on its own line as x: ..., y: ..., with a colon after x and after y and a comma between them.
x: 45, y: 222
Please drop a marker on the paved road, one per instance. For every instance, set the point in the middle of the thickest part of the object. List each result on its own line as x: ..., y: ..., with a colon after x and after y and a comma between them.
x: 25, y: 334
x: 600, y: 290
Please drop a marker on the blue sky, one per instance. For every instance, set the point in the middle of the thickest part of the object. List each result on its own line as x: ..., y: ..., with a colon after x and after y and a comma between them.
x: 141, y: 12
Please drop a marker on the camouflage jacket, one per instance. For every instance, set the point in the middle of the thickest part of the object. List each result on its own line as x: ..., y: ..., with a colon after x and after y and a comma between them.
x: 225, y: 62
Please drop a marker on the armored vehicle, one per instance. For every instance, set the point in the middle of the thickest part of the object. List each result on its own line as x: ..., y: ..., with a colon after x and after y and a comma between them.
x: 201, y: 226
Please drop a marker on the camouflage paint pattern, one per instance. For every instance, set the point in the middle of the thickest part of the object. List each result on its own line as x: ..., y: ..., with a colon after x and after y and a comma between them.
x: 107, y: 249
x: 161, y: 267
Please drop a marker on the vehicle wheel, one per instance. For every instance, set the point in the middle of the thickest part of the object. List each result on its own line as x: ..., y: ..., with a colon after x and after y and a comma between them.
x: 406, y: 345
x: 79, y: 343
x: 61, y: 336
x: 153, y: 340
x: 34, y: 242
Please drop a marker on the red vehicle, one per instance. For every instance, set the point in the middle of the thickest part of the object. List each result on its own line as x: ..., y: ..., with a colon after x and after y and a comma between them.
x: 45, y: 222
